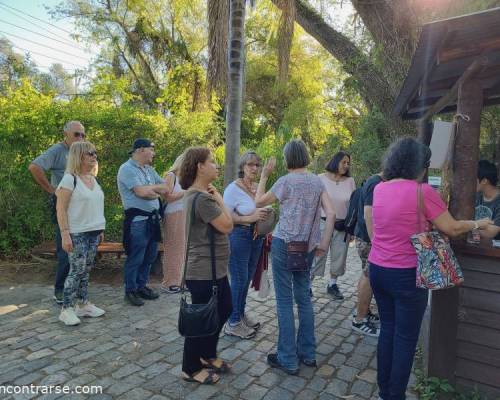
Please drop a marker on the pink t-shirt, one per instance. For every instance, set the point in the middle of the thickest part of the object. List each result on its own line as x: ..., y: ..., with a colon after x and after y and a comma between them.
x: 394, y: 215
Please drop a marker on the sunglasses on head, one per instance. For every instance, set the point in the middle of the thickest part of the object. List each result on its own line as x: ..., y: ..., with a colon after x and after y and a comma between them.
x: 91, y: 153
x: 79, y: 134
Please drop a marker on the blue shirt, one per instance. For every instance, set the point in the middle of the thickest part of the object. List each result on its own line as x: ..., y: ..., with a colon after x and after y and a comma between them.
x: 131, y: 175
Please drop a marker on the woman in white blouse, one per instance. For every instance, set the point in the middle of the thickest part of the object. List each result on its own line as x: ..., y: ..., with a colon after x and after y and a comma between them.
x: 80, y: 214
x: 239, y: 198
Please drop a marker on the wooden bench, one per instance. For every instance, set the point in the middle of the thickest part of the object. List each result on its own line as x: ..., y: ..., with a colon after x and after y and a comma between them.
x: 49, y: 249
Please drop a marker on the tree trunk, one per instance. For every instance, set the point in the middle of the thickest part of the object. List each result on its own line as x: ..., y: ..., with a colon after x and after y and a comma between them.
x: 373, y: 87
x: 285, y: 38
x: 218, y: 26
x: 235, y: 88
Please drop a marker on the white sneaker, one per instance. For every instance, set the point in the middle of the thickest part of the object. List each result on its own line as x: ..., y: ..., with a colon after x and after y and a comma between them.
x: 69, y: 317
x: 239, y: 330
x: 250, y: 322
x: 89, y: 310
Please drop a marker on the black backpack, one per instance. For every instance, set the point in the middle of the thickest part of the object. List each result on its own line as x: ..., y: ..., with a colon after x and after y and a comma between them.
x: 351, y: 218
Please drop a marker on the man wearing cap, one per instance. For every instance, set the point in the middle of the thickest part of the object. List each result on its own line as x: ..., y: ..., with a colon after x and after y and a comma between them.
x: 54, y: 160
x: 140, y: 189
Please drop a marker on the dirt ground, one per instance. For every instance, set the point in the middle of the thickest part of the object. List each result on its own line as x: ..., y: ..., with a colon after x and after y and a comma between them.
x: 108, y: 270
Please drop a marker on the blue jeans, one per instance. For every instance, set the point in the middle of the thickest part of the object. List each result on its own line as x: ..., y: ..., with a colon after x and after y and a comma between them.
x: 289, y: 286
x: 143, y: 253
x: 62, y: 262
x: 401, y: 307
x: 245, y: 253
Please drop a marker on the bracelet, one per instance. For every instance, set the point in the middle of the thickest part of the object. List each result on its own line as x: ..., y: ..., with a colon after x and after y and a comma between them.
x: 64, y: 230
x: 476, y: 225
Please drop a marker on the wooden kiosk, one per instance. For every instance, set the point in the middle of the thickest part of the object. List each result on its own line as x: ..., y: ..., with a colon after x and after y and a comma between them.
x: 456, y: 69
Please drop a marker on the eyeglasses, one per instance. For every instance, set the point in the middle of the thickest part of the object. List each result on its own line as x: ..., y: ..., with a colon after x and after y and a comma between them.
x: 79, y: 134
x: 91, y: 153
x: 251, y: 164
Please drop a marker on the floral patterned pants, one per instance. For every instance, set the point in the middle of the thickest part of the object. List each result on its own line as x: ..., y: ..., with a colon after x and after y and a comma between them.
x: 81, y: 260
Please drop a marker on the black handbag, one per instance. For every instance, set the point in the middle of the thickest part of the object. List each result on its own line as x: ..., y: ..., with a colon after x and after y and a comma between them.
x: 199, y: 320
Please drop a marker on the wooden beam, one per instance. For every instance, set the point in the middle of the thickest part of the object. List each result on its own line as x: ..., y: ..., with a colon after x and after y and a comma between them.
x: 469, y: 49
x: 444, y: 306
x: 478, y: 65
x: 425, y: 128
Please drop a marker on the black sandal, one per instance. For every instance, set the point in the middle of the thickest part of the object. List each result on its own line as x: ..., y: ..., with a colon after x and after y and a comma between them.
x: 209, y: 364
x: 209, y: 380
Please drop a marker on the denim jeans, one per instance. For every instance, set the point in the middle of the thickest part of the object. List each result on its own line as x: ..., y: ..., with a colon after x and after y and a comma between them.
x: 143, y: 252
x: 62, y: 262
x: 401, y: 307
x: 289, y: 286
x: 245, y: 253
x: 81, y: 261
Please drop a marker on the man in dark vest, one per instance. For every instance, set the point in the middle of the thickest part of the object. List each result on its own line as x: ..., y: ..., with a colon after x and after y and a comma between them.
x: 140, y: 189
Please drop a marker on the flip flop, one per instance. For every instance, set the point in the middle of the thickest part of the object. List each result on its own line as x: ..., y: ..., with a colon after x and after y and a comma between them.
x: 211, y: 379
x: 210, y: 364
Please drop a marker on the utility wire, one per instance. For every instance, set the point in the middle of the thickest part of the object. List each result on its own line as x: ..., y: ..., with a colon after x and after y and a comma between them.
x: 38, y: 19
x: 53, y: 58
x: 44, y: 45
x: 45, y: 36
x: 33, y: 23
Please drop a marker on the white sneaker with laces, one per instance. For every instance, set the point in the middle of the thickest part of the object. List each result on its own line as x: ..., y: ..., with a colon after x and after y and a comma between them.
x: 250, y: 322
x: 89, y: 310
x: 239, y: 330
x: 69, y: 317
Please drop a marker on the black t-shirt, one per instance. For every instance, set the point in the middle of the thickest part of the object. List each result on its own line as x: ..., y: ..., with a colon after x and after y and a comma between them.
x: 488, y: 209
x: 365, y: 200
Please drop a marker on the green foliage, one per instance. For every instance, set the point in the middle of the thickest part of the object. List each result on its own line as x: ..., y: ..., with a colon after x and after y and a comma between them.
x: 30, y: 122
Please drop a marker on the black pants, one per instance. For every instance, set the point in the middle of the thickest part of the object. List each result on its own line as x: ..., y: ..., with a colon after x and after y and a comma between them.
x: 206, y: 347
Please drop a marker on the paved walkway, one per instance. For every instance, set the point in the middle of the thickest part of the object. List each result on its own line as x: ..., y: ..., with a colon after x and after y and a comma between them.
x: 135, y: 353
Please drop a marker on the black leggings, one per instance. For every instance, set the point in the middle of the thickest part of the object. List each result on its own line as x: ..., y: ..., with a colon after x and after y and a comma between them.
x: 206, y: 347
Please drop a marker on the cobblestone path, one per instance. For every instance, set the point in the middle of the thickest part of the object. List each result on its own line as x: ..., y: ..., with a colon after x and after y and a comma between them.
x: 135, y: 353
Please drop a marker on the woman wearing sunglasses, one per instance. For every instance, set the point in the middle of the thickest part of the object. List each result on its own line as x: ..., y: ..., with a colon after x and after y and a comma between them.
x: 80, y: 214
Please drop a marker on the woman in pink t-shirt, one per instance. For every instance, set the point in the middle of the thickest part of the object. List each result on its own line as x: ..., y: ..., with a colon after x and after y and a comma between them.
x: 393, y: 260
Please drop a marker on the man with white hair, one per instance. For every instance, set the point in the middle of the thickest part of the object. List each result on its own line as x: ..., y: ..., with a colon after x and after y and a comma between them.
x: 54, y: 160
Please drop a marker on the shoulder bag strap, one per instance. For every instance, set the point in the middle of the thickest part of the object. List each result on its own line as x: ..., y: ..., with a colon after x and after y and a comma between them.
x: 211, y: 235
x: 193, y: 209
x: 252, y: 196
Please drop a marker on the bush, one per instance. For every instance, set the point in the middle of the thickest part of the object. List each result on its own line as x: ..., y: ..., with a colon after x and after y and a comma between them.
x: 30, y: 122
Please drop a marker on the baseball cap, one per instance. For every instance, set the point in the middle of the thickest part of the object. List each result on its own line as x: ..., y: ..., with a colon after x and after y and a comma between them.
x: 140, y: 143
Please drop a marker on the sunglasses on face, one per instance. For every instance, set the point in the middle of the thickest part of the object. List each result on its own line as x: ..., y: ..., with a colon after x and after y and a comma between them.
x: 91, y: 153
x: 79, y: 134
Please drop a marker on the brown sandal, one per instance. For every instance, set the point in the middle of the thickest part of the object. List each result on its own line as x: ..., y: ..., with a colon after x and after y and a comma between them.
x: 211, y: 379
x: 224, y: 367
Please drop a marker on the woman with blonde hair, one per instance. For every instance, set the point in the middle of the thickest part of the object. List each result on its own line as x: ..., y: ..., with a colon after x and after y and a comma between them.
x: 80, y: 215
x: 174, y: 221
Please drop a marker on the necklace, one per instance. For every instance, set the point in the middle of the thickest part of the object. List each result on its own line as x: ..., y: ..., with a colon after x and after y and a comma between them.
x: 250, y: 189
x: 337, y: 181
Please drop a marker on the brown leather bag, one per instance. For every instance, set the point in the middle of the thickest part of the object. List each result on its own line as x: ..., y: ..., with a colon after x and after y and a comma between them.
x: 296, y: 259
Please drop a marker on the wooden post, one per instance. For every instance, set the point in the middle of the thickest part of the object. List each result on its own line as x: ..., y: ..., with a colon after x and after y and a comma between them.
x: 425, y: 128
x: 444, y: 307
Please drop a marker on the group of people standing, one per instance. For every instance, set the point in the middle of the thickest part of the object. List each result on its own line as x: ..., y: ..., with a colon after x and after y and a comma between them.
x: 207, y: 234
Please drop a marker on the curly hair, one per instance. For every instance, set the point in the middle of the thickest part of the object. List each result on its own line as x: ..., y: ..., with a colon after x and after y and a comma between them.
x: 406, y: 159
x: 189, y: 167
x: 333, y: 164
